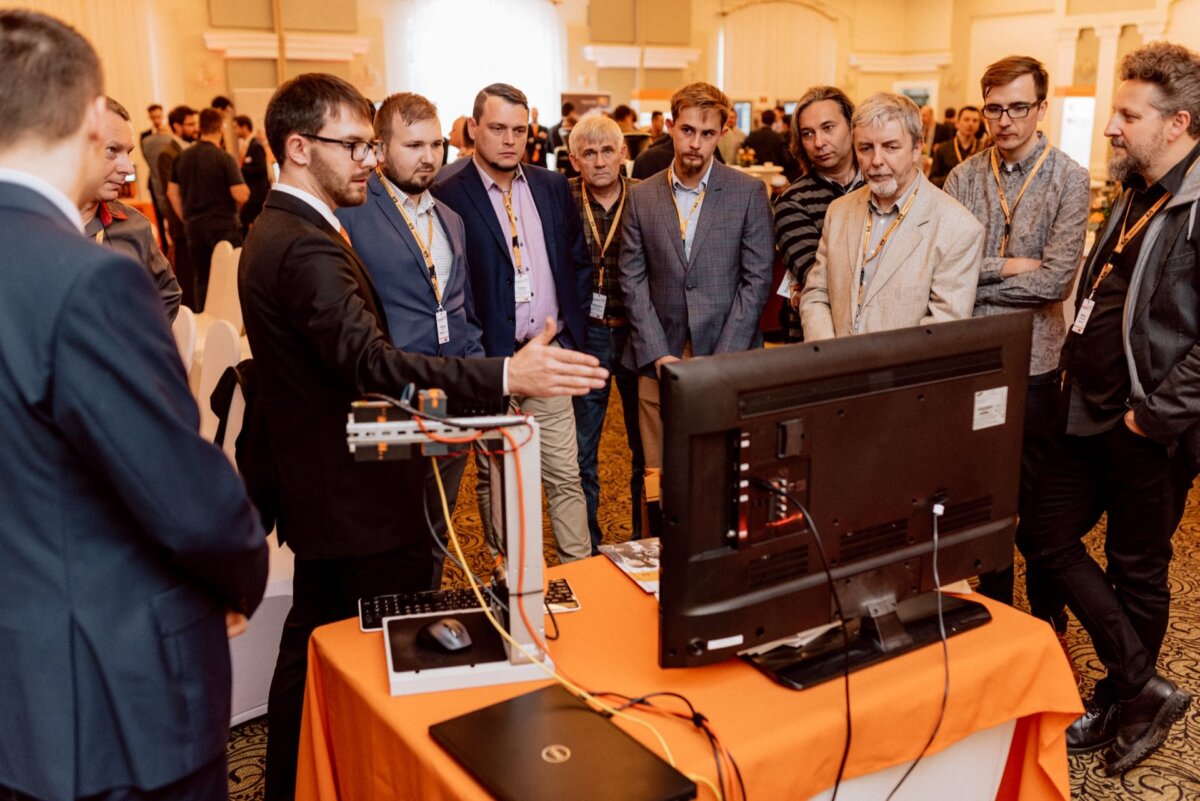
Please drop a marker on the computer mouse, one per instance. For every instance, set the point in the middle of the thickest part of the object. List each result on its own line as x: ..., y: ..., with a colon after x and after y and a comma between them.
x: 444, y: 634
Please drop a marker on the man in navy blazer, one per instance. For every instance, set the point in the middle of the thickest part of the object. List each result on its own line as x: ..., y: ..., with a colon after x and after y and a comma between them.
x: 528, y: 261
x: 129, y: 548
x: 414, y: 248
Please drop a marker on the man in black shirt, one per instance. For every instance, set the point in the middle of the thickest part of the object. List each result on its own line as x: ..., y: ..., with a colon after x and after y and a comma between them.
x: 206, y: 190
x: 1131, y: 399
x: 766, y: 142
x: 254, y: 165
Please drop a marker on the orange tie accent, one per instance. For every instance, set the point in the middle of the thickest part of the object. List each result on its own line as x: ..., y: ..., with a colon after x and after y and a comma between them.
x: 345, y: 236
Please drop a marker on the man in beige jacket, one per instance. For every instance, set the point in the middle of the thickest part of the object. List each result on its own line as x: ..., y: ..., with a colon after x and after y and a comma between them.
x: 898, y: 252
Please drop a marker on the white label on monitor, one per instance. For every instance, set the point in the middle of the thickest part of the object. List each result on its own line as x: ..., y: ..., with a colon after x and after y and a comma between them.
x: 726, y: 642
x: 991, y: 406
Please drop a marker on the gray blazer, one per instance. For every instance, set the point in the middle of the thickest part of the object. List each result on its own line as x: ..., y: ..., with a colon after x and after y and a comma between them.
x: 927, y: 273
x: 715, y: 298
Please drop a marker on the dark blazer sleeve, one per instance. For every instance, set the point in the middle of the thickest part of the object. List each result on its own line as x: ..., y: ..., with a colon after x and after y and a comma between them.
x: 121, y: 396
x: 649, y: 340
x: 754, y: 276
x: 324, y: 300
x: 580, y: 259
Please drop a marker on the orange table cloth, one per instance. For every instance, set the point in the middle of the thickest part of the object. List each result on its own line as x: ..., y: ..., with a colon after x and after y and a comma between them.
x: 358, y: 742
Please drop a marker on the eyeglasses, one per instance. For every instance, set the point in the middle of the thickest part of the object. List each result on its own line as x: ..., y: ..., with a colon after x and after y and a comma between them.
x: 358, y: 150
x: 1017, y: 111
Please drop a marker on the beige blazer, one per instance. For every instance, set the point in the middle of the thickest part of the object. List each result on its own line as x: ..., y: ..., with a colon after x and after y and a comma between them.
x: 927, y: 273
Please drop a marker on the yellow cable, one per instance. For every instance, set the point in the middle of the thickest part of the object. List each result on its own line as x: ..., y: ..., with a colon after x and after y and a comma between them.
x: 588, y: 697
x: 698, y: 778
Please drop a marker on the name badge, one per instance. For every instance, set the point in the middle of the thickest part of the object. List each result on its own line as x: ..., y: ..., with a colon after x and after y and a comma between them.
x: 1081, y: 319
x: 523, y: 288
x: 599, y: 301
x: 443, y: 326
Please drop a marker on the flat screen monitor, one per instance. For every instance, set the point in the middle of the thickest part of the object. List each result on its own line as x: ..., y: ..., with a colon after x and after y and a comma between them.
x: 868, y: 433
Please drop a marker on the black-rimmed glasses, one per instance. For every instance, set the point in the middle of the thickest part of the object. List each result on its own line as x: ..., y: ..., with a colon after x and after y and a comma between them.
x: 358, y: 150
x: 1017, y: 111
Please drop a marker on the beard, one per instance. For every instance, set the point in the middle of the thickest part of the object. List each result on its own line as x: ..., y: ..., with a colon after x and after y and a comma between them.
x: 415, y: 184
x: 883, y: 187
x: 338, y: 187
x: 1136, y: 160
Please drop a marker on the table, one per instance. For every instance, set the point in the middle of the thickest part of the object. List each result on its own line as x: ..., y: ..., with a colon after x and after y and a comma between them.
x: 357, y: 742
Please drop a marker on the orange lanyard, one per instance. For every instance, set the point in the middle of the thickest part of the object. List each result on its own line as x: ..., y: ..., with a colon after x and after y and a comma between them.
x: 862, y: 271
x: 426, y: 249
x: 612, y: 230
x: 683, y: 221
x: 512, y: 227
x: 1127, y: 236
x: 958, y: 150
x: 1008, y: 213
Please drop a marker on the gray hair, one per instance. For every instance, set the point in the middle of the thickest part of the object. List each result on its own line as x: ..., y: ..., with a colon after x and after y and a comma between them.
x: 594, y: 130
x: 883, y: 107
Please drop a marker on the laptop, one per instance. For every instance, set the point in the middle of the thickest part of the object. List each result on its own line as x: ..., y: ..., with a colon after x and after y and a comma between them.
x: 549, y: 745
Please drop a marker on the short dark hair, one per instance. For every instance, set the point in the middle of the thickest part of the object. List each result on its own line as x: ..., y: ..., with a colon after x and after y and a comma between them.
x: 154, y: 107
x: 1175, y: 70
x: 244, y: 122
x: 951, y: 111
x: 508, y: 93
x: 768, y: 117
x: 52, y: 75
x: 221, y: 102
x: 411, y: 107
x: 116, y: 108
x: 623, y: 112
x: 970, y: 108
x: 1008, y: 69
x: 303, y: 104
x: 211, y: 121
x: 179, y: 115
x: 656, y: 115
x: 567, y: 108
x: 815, y: 94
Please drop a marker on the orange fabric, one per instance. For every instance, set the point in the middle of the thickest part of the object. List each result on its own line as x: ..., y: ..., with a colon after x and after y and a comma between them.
x: 357, y: 742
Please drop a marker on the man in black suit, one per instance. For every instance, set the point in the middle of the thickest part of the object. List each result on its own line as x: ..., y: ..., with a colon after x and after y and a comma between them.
x: 130, y: 551
x: 528, y: 261
x: 320, y: 339
x: 252, y: 158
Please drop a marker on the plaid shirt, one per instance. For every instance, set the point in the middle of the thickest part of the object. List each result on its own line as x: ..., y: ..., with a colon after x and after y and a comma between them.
x: 615, y: 308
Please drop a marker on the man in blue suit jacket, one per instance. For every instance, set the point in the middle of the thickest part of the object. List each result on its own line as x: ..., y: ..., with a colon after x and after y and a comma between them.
x: 129, y: 547
x: 528, y: 261
x: 414, y: 249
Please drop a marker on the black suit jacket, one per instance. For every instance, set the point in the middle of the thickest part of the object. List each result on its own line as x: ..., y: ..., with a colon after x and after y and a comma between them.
x: 319, y: 337
x: 489, y: 255
x: 124, y: 536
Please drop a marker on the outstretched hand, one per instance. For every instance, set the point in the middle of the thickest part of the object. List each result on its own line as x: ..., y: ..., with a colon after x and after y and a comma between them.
x: 541, y: 370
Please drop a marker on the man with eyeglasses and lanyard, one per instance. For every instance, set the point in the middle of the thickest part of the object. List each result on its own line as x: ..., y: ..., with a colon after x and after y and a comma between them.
x: 319, y: 333
x: 601, y: 191
x: 1033, y: 202
x: 1131, y: 399
x: 897, y: 252
x: 415, y: 251
x: 106, y: 221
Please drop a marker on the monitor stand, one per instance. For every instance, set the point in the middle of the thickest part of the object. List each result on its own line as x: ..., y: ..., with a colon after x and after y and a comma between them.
x: 907, y: 626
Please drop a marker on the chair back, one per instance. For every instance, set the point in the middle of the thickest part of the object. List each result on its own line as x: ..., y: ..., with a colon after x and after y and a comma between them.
x: 184, y: 331
x: 222, y: 301
x: 221, y: 350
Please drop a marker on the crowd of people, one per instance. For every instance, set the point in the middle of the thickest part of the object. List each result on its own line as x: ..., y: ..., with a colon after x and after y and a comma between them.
x: 371, y: 265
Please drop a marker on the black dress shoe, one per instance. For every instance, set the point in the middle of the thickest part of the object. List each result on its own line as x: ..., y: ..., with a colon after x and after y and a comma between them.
x: 1094, y: 729
x: 1143, y: 723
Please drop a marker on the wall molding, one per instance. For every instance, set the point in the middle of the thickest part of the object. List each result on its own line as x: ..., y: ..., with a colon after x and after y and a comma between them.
x: 621, y: 56
x: 892, y: 63
x: 238, y: 45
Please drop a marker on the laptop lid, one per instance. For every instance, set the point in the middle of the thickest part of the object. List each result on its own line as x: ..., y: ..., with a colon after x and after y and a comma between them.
x: 549, y: 745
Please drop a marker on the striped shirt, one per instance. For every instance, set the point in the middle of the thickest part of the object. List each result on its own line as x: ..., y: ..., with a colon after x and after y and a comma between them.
x: 614, y: 309
x: 799, y: 218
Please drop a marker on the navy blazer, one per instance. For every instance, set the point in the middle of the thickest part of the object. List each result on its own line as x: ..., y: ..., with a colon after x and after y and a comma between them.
x: 124, y: 536
x: 489, y: 255
x: 386, y: 246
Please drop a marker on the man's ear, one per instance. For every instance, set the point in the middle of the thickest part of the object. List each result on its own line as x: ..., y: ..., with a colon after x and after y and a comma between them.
x: 296, y: 149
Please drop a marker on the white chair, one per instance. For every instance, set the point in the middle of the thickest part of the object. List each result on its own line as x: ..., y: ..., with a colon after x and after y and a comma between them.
x: 221, y: 350
x: 222, y: 301
x: 184, y: 331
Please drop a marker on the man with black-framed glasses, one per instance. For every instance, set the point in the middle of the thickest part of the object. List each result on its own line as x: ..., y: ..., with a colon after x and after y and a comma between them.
x: 1033, y: 202
x: 321, y: 340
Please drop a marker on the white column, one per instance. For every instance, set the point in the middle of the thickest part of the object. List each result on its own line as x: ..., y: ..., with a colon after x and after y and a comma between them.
x: 1062, y: 73
x: 1106, y: 70
x: 1152, y: 31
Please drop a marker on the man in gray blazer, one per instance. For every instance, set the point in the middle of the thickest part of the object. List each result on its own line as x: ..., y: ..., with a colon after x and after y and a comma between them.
x: 899, y: 252
x: 696, y: 258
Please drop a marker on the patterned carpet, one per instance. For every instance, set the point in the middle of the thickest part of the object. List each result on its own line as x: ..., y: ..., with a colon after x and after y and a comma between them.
x: 1171, y: 774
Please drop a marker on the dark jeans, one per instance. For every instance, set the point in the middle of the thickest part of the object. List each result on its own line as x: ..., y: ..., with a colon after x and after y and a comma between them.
x: 324, y: 591
x: 607, y: 345
x: 201, y: 240
x: 1041, y: 412
x: 209, y: 783
x: 1142, y: 486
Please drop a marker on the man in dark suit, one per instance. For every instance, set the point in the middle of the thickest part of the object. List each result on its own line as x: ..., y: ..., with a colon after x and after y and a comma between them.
x: 130, y: 549
x: 320, y: 339
x: 697, y: 251
x: 528, y: 261
x: 415, y: 251
x: 256, y: 168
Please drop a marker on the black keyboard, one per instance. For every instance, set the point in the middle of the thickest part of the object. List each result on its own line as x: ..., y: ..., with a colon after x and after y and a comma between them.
x: 371, y: 612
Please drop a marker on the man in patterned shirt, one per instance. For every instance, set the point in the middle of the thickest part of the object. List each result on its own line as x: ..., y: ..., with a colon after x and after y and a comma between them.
x: 820, y: 138
x: 1033, y: 202
x: 597, y: 152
